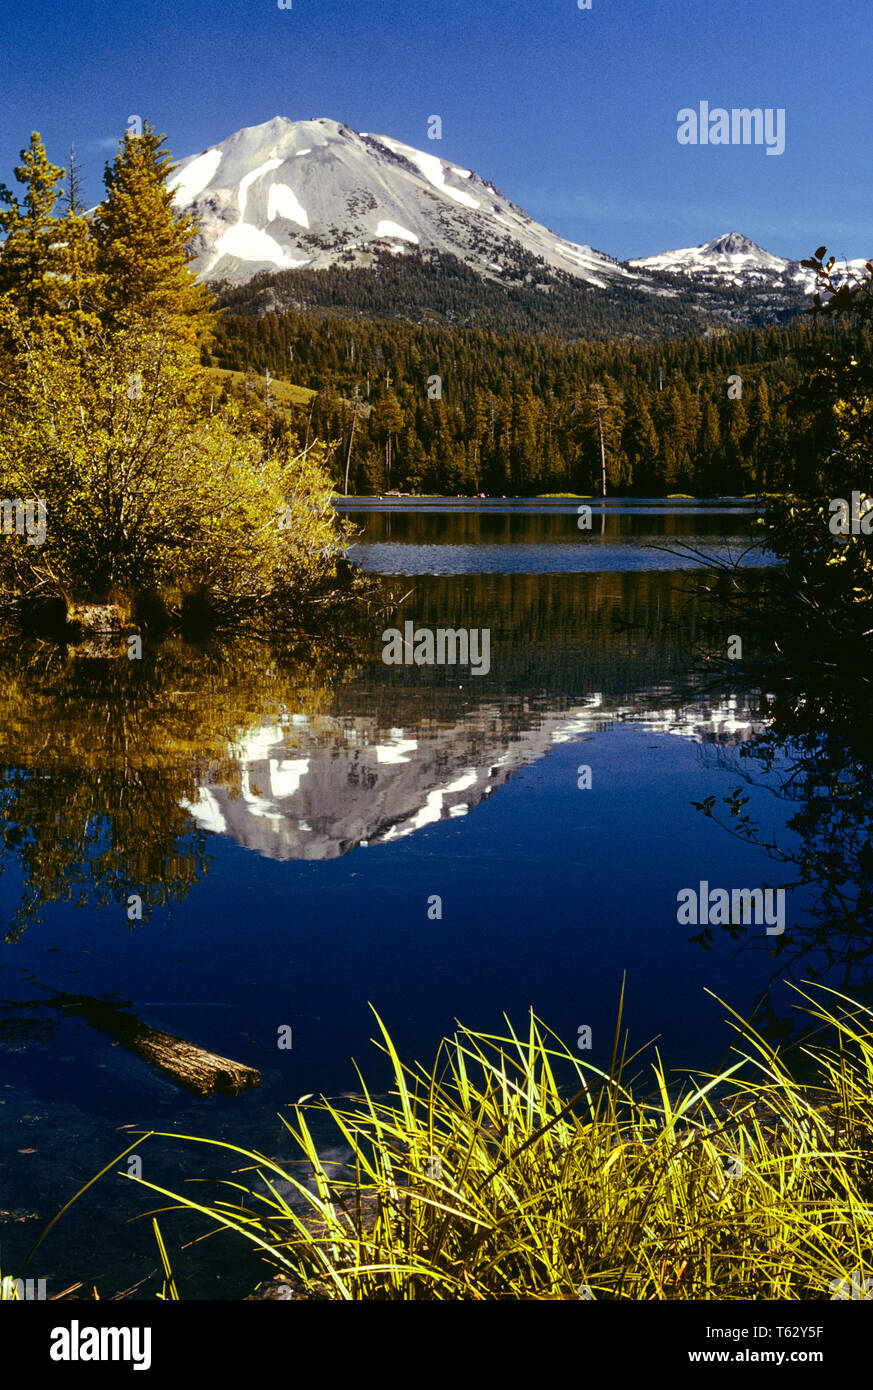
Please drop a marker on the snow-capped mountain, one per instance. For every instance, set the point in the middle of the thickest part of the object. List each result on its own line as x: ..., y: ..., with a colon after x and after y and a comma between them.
x: 735, y: 259
x: 314, y: 194
x: 289, y: 194
x: 732, y: 256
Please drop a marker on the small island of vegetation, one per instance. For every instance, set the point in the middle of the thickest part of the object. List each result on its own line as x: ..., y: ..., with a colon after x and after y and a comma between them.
x: 131, y: 492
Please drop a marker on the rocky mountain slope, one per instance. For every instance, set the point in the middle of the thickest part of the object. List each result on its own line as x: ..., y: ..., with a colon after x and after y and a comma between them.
x: 313, y: 207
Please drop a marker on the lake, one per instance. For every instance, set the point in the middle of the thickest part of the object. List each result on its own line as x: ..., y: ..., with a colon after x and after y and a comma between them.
x: 317, y: 832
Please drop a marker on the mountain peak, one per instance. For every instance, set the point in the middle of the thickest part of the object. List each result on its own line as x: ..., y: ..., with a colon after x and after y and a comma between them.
x: 290, y: 194
x: 732, y: 244
x: 732, y: 258
x: 287, y: 195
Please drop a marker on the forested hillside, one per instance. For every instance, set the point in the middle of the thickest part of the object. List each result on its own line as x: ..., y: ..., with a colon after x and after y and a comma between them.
x: 421, y: 408
x: 522, y: 295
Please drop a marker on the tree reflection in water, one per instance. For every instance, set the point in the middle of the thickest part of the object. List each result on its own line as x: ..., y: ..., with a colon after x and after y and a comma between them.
x: 816, y: 751
x: 98, y: 758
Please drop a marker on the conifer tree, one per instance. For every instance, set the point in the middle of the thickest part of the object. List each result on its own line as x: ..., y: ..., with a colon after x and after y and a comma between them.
x: 142, y: 244
x: 72, y: 195
x: 639, y: 439
x: 759, y: 434
x: 525, y: 454
x: 30, y: 257
x: 737, y: 420
x: 78, y: 255
x: 708, y: 446
x: 388, y: 420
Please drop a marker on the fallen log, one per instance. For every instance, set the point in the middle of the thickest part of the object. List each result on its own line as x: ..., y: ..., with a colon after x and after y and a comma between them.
x: 202, y: 1072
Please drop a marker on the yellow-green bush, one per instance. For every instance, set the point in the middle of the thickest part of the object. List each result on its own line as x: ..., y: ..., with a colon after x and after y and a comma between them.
x: 145, y: 493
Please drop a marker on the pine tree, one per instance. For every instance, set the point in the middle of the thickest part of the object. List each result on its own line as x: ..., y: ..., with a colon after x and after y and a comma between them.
x: 72, y: 195
x: 387, y: 422
x: 708, y: 447
x: 639, y: 438
x: 737, y: 421
x: 30, y: 258
x: 759, y: 435
x: 142, y: 244
x: 781, y: 439
x: 526, y: 469
x: 83, y: 285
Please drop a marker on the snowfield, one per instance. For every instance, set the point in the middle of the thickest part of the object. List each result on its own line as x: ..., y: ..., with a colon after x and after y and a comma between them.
x: 393, y: 229
x: 252, y: 244
x: 246, y: 183
x: 283, y: 202
x: 192, y: 180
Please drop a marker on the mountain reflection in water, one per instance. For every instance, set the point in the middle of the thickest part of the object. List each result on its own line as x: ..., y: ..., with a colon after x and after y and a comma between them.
x: 308, y: 758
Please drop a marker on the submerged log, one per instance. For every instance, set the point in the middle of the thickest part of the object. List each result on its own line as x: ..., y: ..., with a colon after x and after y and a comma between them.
x: 98, y: 630
x: 202, y: 1072
x: 97, y: 618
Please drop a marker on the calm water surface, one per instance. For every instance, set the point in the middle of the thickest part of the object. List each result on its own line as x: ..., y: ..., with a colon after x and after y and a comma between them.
x: 286, y: 826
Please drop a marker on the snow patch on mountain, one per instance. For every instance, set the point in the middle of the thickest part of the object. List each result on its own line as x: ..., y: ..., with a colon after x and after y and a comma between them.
x: 245, y: 183
x: 249, y: 243
x: 283, y: 202
x: 193, y: 178
x: 393, y: 229
x: 433, y: 171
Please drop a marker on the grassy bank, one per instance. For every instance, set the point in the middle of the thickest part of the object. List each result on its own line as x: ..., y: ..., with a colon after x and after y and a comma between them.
x: 512, y: 1168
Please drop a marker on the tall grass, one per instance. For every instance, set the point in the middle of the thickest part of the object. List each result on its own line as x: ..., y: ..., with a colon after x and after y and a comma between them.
x: 512, y: 1169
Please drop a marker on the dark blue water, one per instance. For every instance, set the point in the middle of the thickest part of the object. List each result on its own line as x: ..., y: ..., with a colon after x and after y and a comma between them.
x: 302, y: 824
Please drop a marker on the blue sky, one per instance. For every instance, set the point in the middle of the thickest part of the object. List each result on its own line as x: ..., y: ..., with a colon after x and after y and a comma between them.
x: 572, y: 113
